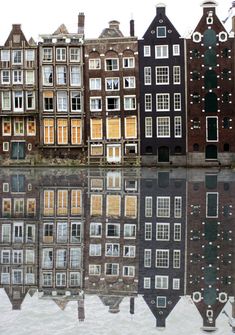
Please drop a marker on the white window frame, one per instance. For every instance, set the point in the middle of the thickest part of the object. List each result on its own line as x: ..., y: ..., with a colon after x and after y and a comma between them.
x: 162, y: 75
x: 129, y: 251
x: 217, y: 205
x: 177, y: 231
x: 176, y: 50
x: 148, y: 231
x: 148, y: 207
x: 131, y: 82
x: 117, y: 225
x: 95, y: 104
x: 148, y: 105
x: 178, y: 207
x: 162, y: 257
x: 94, y: 270
x: 128, y: 271
x: 95, y: 249
x: 114, y: 66
x: 95, y: 84
x: 178, y: 126
x: 163, y: 129
x: 116, y: 104
x: 147, y: 283
x: 128, y: 62
x: 147, y: 75
x: 94, y: 64
x: 112, y: 249
x: 116, y: 265
x: 61, y: 54
x: 163, y: 207
x: 161, y: 282
x: 147, y: 50
x: 163, y: 102
x: 161, y: 51
x: 162, y: 229
x: 177, y: 101
x: 112, y: 84
x: 129, y: 102
x: 147, y: 258
x: 128, y: 226
x: 176, y: 75
x: 176, y: 259
x: 176, y: 284
x: 162, y: 28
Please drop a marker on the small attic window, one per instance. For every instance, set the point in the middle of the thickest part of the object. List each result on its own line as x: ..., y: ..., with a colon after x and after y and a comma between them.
x: 197, y: 37
x: 223, y: 36
x: 161, y: 32
x: 16, y: 38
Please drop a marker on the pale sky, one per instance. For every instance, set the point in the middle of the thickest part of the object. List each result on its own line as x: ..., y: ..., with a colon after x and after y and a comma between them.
x: 44, y: 16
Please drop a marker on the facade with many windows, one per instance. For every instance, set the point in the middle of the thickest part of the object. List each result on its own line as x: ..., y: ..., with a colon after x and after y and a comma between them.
x: 162, y: 93
x: 61, y: 94
x: 18, y: 102
x: 111, y: 81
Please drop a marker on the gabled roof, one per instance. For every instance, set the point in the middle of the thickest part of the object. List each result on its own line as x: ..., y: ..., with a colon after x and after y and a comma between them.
x: 61, y: 30
x: 16, y: 37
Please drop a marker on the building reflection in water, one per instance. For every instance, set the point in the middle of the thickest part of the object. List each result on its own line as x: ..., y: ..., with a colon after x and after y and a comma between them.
x: 120, y: 233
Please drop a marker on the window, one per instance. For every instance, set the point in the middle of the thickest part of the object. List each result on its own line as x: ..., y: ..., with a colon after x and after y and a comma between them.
x: 177, y: 231
x: 111, y: 269
x: 163, y: 207
x: 161, y: 302
x: 112, y: 64
x: 130, y: 127
x: 5, y: 55
x: 30, y: 100
x: 129, y: 82
x: 176, y: 49
x: 62, y: 101
x: 62, y: 232
x: 129, y: 231
x: 31, y: 126
x: 112, y: 249
x: 75, y: 278
x: 96, y: 129
x: 212, y: 204
x: 94, y: 270
x: 75, y: 101
x: 176, y: 75
x: 161, y: 282
x: 30, y: 77
x: 147, y: 282
x: 130, y: 102
x: 18, y: 101
x: 147, y: 258
x: 62, y: 131
x: 176, y: 259
x: 95, y: 229
x: 75, y: 258
x: 95, y: 250
x: 212, y: 129
x: 113, y: 206
x: 6, y: 100
x: 128, y: 62
x: 148, y: 231
x: 163, y: 126
x: 94, y: 64
x: 61, y: 75
x: 18, y: 207
x: 16, y: 57
x: 47, y: 279
x: 47, y: 54
x: 128, y: 271
x: 161, y: 32
x: 95, y: 104
x: 113, y: 230
x: 178, y: 126
x: 76, y: 202
x: 162, y: 75
x: 162, y: 231
x: 62, y: 202
x: 95, y: 84
x: 131, y: 206
x: 96, y: 150
x: 112, y: 84
x: 19, y: 126
x: 60, y: 279
x: 75, y: 54
x: 47, y: 75
x: 30, y: 256
x: 6, y: 233
x: 47, y: 258
x: 112, y: 103
x: 17, y: 277
x: 163, y: 102
x: 48, y: 101
x: 177, y: 101
x: 176, y: 284
x: 147, y: 50
x: 75, y: 76
x: 75, y: 232
x: 128, y: 251
x: 113, y: 128
x: 148, y: 206
x: 60, y: 54
x: 161, y: 51
x: 5, y: 76
x: 147, y: 75
x: 162, y: 258
x: 6, y: 126
x: 76, y: 131
x: 17, y: 77
x: 48, y: 232
x: 178, y: 207
x: 96, y: 204
x: 48, y: 131
x: 49, y: 204
x: 148, y: 102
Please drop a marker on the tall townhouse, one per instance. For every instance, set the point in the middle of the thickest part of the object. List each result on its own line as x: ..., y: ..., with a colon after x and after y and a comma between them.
x: 162, y: 241
x: 210, y: 243
x: 18, y: 234
x: 61, y: 93
x: 61, y: 237
x: 19, y: 89
x: 111, y: 237
x: 111, y: 99
x: 162, y: 92
x: 210, y: 84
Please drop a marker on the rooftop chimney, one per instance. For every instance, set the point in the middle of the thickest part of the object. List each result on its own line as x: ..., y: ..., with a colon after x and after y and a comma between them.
x: 81, y: 23
x: 161, y: 8
x: 132, y: 27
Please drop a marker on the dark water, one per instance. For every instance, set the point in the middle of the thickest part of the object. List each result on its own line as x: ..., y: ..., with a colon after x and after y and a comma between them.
x: 84, y: 251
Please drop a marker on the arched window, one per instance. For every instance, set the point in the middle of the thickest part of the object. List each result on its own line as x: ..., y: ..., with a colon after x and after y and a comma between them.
x: 211, y: 103
x: 209, y: 38
x: 210, y: 79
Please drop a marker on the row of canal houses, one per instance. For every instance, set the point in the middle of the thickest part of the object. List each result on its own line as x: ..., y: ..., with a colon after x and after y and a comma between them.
x: 161, y: 99
x: 120, y: 234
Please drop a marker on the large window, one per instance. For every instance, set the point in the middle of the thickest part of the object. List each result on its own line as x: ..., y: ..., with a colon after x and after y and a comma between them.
x: 75, y: 54
x: 18, y: 101
x: 49, y: 203
x: 62, y: 202
x: 61, y: 75
x: 212, y: 204
x: 76, y: 131
x: 94, y: 64
x: 96, y: 129
x: 6, y: 126
x: 161, y: 51
x: 112, y: 103
x: 161, y: 282
x: 48, y: 101
x: 129, y: 102
x: 176, y: 259
x: 112, y: 64
x: 130, y: 127
x: 96, y: 204
x: 95, y: 229
x: 17, y: 57
x: 95, y: 104
x: 129, y: 82
x: 162, y: 231
x: 76, y: 101
x: 61, y: 54
x: 6, y: 100
x: 112, y: 249
x: 162, y: 258
x: 113, y: 230
x: 162, y: 75
x: 47, y: 75
x: 95, y: 250
x: 47, y: 54
x: 178, y: 207
x: 111, y: 269
x: 113, y: 128
x: 62, y: 131
x: 113, y: 206
x: 212, y: 129
x: 112, y: 84
x: 162, y: 102
x: 62, y: 101
x: 128, y: 62
x: 163, y: 207
x: 75, y: 75
x: 95, y: 84
x: 148, y: 206
x: 48, y: 131
x: 163, y: 126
